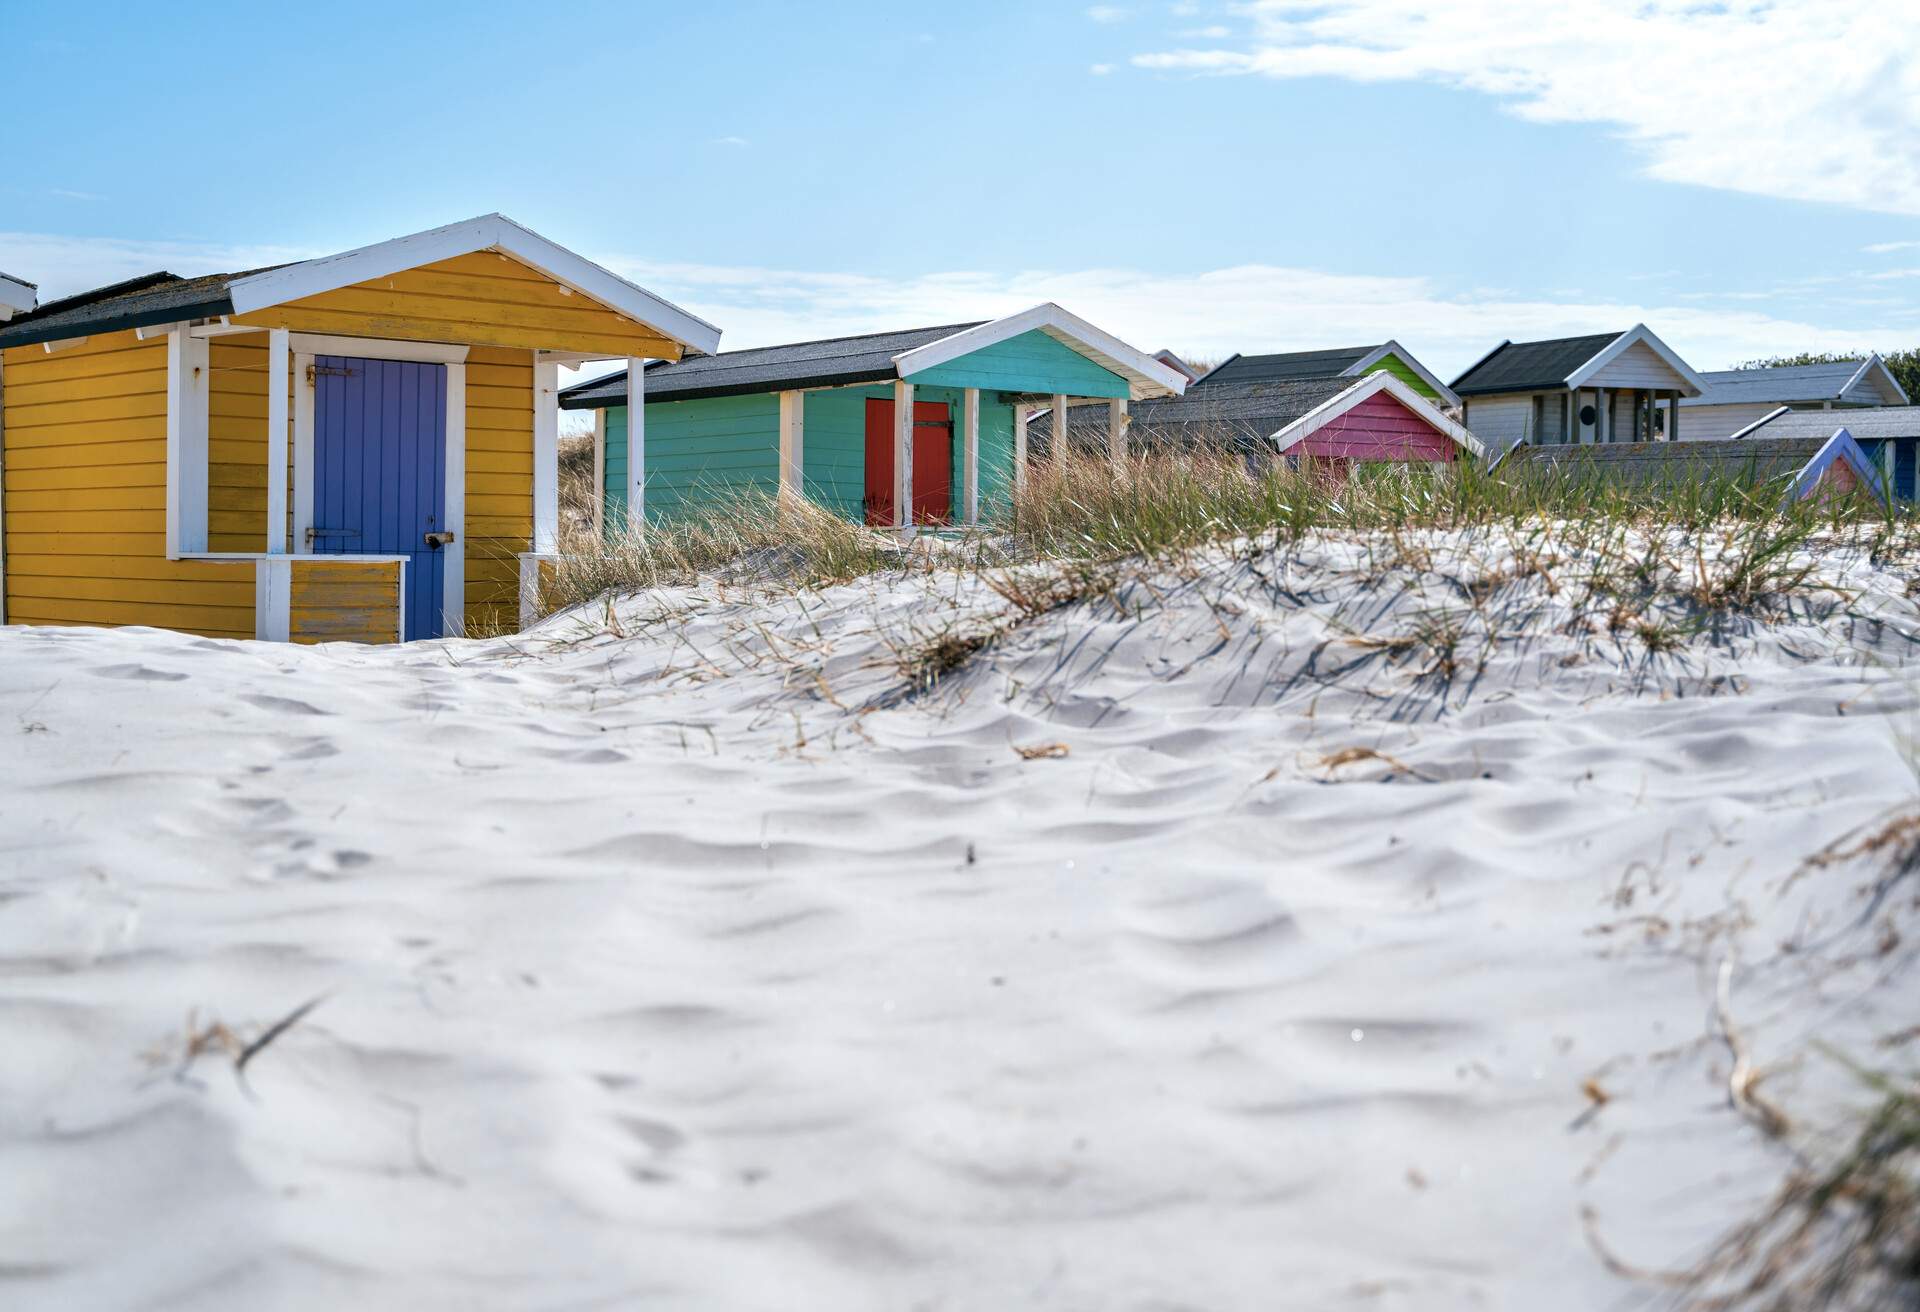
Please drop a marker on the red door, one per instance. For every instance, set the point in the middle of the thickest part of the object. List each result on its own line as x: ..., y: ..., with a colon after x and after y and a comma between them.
x: 932, y: 462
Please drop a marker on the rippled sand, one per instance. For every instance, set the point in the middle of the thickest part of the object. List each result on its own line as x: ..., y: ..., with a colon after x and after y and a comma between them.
x: 687, y: 955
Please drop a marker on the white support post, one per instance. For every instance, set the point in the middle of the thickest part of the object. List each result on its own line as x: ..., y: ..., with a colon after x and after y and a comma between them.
x: 187, y: 407
x: 600, y: 474
x: 793, y: 439
x: 970, y: 461
x: 279, y: 358
x: 1059, y: 427
x: 273, y: 598
x: 636, y: 445
x: 1019, y: 449
x: 1117, y: 430
x: 903, y: 458
x: 546, y: 456
x: 1602, y: 416
x: 304, y: 393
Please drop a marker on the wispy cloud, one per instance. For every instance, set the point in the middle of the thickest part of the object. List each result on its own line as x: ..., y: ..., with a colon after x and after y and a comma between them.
x: 729, y: 141
x: 65, y: 265
x: 1244, y: 308
x: 1889, y: 247
x: 1100, y: 70
x: 1804, y: 99
x: 65, y: 193
x: 1107, y: 13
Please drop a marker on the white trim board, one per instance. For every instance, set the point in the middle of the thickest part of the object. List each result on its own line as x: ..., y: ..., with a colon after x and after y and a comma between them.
x: 1333, y: 407
x: 1391, y: 347
x: 1146, y: 376
x: 453, y: 569
x: 16, y: 296
x: 493, y: 232
x: 1639, y: 333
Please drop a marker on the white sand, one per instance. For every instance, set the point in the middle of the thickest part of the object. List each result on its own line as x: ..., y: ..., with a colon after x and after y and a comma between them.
x: 654, y: 977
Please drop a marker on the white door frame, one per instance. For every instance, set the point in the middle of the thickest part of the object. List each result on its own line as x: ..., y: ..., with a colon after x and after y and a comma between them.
x: 454, y: 358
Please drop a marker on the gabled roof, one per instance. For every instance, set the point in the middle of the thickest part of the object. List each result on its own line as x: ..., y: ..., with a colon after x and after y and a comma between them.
x: 1174, y: 362
x: 870, y: 358
x: 1372, y: 385
x: 1530, y: 366
x: 1869, y: 425
x: 135, y: 303
x: 1146, y: 376
x: 1338, y: 362
x: 1840, y: 448
x: 17, y: 296
x: 1866, y: 381
x: 165, y: 298
x: 1242, y: 415
x: 1564, y: 362
x: 1285, y: 366
x: 828, y: 362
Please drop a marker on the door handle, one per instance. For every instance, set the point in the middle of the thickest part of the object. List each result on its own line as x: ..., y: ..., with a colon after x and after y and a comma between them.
x: 437, y: 540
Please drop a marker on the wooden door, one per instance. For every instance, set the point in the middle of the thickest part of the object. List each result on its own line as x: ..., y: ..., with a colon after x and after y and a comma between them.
x: 932, y: 462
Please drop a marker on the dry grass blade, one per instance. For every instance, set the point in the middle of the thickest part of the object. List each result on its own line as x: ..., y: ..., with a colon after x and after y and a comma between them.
x: 1041, y: 751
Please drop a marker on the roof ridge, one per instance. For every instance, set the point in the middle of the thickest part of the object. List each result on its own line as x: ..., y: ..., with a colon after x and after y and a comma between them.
x: 139, y: 283
x: 850, y: 337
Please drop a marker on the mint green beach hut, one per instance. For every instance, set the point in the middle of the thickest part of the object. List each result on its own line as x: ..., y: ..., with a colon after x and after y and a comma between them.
x: 928, y: 418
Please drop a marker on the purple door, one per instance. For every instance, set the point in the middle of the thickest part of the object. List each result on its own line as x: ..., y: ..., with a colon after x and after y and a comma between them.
x: 380, y: 471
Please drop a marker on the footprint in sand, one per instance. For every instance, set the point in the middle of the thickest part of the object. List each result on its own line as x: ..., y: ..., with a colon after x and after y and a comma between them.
x: 141, y: 673
x: 288, y: 705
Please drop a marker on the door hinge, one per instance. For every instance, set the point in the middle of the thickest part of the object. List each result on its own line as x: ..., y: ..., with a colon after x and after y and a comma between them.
x: 332, y: 371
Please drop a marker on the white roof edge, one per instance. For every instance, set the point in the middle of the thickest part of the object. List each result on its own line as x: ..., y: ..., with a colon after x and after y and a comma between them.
x: 1391, y: 347
x: 1146, y: 376
x: 1761, y: 422
x: 1335, y: 406
x: 487, y: 232
x: 1638, y: 333
x: 17, y: 296
x: 1872, y: 362
x: 1840, y: 445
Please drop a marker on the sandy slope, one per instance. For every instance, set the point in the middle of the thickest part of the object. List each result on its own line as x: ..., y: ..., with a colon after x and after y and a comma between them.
x: 675, y: 957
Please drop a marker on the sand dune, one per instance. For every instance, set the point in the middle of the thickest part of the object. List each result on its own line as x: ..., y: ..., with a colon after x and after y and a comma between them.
x: 683, y: 953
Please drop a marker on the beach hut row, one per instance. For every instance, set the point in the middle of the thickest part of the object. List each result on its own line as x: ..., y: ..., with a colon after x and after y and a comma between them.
x: 365, y: 445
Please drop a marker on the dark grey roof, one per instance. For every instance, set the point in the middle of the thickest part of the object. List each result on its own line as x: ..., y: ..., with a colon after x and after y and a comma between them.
x: 1286, y: 366
x: 1529, y: 366
x: 1867, y: 425
x: 829, y: 362
x: 1751, y: 460
x: 149, y: 299
x: 1227, y: 415
x: 1799, y: 382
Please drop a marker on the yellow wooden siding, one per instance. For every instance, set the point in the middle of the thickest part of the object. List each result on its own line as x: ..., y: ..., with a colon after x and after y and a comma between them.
x: 344, y: 601
x: 483, y: 299
x: 499, y: 507
x: 86, y: 495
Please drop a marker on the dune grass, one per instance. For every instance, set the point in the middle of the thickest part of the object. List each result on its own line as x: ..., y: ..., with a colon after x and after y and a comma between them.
x: 1725, y: 544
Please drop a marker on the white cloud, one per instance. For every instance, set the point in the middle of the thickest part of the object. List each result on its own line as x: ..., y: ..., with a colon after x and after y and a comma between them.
x: 1803, y: 99
x: 729, y: 141
x: 1889, y: 247
x: 1257, y: 307
x: 1100, y: 70
x: 1213, y: 32
x: 1106, y: 13
x: 1246, y: 308
x: 65, y: 265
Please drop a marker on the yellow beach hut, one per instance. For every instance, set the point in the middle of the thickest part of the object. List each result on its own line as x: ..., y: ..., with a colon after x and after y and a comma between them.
x: 362, y: 446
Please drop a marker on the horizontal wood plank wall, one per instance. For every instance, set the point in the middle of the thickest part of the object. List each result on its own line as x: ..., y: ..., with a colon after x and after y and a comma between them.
x: 1378, y: 428
x: 1500, y: 421
x: 344, y: 601
x: 499, y: 505
x: 483, y: 299
x: 698, y: 452
x: 86, y: 496
x: 835, y: 455
x: 1031, y: 362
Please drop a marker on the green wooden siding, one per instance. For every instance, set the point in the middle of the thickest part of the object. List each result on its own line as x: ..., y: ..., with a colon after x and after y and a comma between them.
x: 1031, y: 362
x: 834, y: 449
x: 1393, y: 364
x: 697, y: 452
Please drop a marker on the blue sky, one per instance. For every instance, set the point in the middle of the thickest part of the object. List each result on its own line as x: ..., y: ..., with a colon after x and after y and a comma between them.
x: 1208, y: 177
